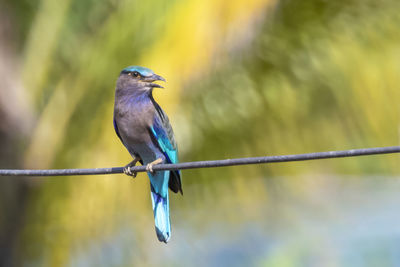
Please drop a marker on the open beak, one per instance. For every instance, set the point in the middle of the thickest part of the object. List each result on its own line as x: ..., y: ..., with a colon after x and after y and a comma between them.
x: 153, y: 78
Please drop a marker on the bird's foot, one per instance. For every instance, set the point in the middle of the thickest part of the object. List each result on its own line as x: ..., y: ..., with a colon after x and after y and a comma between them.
x: 149, y: 167
x: 128, y: 170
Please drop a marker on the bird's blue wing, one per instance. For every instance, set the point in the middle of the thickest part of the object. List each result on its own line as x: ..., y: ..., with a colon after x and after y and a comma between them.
x: 165, y: 144
x: 163, y: 135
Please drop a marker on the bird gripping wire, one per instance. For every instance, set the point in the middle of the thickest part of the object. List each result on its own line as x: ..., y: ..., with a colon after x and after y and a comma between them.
x: 209, y: 163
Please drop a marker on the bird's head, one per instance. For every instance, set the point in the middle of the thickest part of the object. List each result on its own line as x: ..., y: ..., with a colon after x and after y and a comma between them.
x: 139, y: 77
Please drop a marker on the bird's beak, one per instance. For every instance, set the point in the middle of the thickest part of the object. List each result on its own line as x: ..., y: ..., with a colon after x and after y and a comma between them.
x: 152, y: 78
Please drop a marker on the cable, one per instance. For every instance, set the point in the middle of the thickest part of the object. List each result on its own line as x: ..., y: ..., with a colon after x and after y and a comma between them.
x: 209, y: 163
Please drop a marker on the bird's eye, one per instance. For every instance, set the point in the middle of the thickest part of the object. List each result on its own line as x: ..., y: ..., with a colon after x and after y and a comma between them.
x: 135, y: 74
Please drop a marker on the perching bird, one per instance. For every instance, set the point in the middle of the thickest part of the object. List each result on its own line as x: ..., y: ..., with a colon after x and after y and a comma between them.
x: 145, y: 131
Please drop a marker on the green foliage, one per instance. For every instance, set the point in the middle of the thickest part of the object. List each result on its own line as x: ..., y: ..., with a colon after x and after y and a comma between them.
x: 315, y: 79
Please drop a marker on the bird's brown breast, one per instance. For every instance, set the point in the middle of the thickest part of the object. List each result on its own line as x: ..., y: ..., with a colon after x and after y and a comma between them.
x: 134, y: 123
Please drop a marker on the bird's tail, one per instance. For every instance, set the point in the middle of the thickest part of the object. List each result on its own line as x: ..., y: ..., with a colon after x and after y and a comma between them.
x: 161, y: 215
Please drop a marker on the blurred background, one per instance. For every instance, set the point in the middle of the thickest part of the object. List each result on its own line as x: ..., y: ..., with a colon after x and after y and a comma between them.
x: 244, y: 78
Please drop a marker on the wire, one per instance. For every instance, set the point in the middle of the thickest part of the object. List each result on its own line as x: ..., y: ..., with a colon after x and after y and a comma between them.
x: 209, y: 163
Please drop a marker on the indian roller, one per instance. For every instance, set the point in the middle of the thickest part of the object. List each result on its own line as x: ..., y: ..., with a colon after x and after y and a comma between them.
x: 145, y: 131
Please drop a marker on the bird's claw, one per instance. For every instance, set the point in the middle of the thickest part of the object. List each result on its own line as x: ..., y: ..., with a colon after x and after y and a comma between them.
x: 128, y: 168
x: 149, y: 167
x: 128, y: 171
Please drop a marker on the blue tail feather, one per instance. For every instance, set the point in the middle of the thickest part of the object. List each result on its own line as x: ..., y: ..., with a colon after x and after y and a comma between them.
x: 161, y: 216
x: 160, y: 200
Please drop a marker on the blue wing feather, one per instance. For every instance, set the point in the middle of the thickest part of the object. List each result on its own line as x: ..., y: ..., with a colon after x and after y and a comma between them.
x: 163, y: 135
x: 163, y: 141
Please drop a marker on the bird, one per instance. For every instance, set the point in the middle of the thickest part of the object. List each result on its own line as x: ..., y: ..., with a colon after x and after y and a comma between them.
x: 145, y: 131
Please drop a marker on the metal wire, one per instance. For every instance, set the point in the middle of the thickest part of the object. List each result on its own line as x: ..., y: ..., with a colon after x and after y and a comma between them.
x: 209, y: 163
